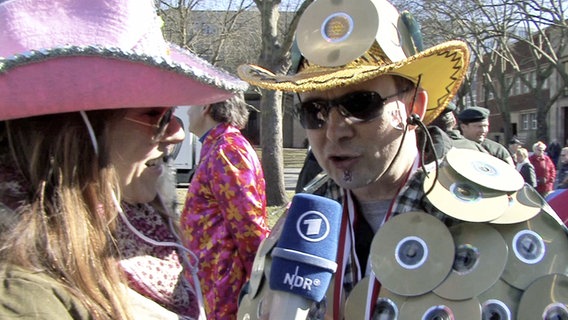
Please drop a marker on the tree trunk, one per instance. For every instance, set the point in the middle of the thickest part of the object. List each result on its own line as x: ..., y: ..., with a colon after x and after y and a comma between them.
x: 271, y: 143
x: 271, y: 57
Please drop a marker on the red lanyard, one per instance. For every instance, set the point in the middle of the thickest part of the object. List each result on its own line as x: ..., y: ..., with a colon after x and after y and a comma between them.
x: 347, y: 254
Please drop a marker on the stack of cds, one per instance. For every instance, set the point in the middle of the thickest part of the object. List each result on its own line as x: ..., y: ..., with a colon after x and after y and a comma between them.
x: 504, y: 257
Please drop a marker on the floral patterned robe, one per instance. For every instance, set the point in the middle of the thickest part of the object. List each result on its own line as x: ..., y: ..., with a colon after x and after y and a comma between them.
x: 224, y: 217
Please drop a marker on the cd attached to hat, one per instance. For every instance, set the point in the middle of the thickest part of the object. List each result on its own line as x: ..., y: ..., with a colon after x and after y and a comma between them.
x: 523, y: 205
x: 431, y: 306
x: 481, y: 255
x: 485, y: 170
x: 537, y: 247
x: 332, y: 33
x: 463, y: 199
x: 392, y: 36
x: 545, y: 298
x: 412, y: 253
x: 500, y: 301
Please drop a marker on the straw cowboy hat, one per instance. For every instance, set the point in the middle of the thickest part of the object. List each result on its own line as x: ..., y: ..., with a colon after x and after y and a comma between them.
x: 69, y: 55
x: 344, y: 44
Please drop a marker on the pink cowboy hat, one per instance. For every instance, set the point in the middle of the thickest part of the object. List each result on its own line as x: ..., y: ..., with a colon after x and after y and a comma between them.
x: 69, y: 55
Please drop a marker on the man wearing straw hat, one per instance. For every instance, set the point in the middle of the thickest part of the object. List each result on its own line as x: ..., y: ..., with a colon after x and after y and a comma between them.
x: 360, y: 103
x: 365, y: 85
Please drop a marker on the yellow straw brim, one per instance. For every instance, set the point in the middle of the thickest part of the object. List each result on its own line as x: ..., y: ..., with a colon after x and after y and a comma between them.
x: 441, y: 68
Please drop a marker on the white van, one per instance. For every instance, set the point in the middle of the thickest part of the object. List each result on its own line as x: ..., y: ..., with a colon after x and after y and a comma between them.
x: 185, y: 154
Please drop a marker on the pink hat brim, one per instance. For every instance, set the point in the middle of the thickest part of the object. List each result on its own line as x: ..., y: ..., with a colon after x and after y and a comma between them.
x: 66, y: 83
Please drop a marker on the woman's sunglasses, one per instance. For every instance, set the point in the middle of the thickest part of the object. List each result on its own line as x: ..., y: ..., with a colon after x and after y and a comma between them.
x: 357, y: 106
x: 161, y: 126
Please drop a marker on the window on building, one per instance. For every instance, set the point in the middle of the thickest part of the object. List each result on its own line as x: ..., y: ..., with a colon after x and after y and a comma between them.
x: 518, y: 86
x: 528, y: 121
x: 482, y: 89
x: 525, y: 121
x: 533, y: 120
x: 524, y: 87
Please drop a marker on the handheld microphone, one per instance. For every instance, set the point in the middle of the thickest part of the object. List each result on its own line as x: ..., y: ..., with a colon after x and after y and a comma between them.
x: 304, y: 258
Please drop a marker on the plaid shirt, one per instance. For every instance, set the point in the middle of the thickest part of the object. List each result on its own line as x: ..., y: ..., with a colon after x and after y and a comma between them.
x: 410, y: 198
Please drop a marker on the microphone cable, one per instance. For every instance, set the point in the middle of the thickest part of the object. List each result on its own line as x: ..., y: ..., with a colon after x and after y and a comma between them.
x: 429, y: 142
x: 415, y: 120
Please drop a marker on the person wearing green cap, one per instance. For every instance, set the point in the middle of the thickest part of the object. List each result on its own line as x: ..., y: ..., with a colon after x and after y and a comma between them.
x: 474, y: 125
x: 446, y: 122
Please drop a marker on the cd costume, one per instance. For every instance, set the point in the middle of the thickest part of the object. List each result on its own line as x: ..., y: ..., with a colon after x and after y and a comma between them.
x: 464, y: 238
x: 481, y: 254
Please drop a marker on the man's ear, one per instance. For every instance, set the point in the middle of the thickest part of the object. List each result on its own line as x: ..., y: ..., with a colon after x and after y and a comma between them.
x: 206, y: 109
x: 420, y: 104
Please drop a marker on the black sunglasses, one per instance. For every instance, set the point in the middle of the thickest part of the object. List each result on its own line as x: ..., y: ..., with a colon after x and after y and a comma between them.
x: 358, y: 106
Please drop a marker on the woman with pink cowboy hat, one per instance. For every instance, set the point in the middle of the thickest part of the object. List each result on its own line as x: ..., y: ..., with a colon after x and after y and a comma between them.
x: 87, y: 90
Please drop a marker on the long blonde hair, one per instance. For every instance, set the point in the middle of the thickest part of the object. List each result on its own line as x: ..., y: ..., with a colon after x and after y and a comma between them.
x: 64, y: 228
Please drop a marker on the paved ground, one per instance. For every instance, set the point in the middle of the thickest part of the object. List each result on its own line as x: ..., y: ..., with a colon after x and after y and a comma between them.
x: 290, y: 178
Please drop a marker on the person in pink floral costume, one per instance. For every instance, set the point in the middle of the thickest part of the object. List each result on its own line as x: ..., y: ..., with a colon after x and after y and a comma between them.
x: 544, y: 168
x: 224, y: 218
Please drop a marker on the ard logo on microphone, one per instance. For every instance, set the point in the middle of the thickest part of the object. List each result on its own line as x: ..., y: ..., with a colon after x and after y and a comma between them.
x: 313, y: 226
